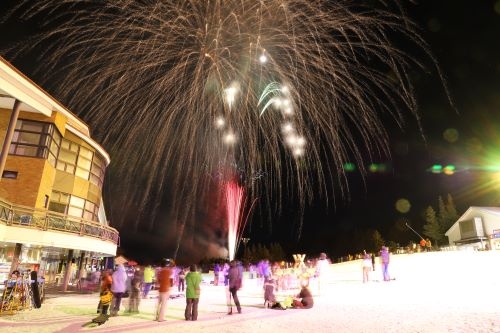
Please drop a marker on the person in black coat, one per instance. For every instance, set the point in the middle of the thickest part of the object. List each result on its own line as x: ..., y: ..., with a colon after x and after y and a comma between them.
x: 304, y: 299
x: 235, y: 278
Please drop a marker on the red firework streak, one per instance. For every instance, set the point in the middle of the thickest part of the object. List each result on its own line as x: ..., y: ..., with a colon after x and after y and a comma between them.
x: 234, y: 201
x: 235, y: 205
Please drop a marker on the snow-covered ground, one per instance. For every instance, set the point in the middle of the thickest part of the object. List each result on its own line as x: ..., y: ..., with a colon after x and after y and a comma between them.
x: 430, y: 292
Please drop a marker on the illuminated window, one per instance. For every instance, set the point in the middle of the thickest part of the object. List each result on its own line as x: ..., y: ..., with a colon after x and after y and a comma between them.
x: 97, y: 170
x: 74, y: 206
x: 84, y: 163
x: 81, y: 161
x: 68, y: 153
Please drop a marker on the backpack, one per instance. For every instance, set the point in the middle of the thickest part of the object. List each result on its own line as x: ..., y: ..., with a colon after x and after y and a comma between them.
x: 106, y: 297
x: 278, y: 306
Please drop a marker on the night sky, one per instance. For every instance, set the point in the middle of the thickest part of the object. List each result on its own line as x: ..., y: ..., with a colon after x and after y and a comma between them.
x: 464, y: 37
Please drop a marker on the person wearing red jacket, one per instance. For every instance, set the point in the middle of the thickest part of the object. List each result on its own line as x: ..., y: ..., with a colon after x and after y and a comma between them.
x: 164, y: 278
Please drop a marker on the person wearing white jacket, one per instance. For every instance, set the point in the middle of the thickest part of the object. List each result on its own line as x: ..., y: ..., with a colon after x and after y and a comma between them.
x: 118, y: 288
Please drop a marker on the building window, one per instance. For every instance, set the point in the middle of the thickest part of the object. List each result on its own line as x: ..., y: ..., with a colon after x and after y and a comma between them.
x: 84, y: 163
x: 97, y: 170
x: 58, y: 207
x: 59, y: 202
x: 74, y: 206
x: 9, y: 174
x: 81, y: 161
x: 68, y: 154
x: 33, y: 138
x: 55, y: 146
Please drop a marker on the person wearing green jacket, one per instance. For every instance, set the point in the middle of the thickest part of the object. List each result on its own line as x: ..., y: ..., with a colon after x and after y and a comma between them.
x: 193, y: 281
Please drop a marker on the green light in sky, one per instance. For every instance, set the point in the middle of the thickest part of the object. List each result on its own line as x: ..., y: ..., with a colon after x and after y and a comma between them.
x: 449, y: 170
x: 349, y: 167
x: 377, y: 167
x: 437, y: 168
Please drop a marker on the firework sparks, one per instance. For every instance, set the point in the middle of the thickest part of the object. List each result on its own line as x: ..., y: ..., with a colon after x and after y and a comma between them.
x: 237, y: 216
x: 234, y: 200
x: 153, y: 77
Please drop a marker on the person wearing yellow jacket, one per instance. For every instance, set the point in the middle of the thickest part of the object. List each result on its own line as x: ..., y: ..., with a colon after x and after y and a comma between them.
x: 148, y: 276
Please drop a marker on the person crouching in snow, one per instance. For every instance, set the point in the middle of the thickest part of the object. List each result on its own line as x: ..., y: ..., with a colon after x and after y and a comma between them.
x: 304, y: 299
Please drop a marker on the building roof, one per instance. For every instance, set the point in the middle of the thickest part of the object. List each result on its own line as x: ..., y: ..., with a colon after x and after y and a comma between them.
x: 15, y: 85
x: 474, y: 211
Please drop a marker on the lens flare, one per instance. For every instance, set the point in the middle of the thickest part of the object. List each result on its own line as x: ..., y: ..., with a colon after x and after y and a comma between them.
x: 403, y: 205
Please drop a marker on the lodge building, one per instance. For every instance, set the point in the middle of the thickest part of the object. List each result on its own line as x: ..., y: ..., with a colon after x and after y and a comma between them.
x: 478, y: 229
x: 52, y: 216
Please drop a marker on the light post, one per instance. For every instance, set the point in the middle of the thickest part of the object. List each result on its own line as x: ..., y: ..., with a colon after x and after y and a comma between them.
x: 245, y: 241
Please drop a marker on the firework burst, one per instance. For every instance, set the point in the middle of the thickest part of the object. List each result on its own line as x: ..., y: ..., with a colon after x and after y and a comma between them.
x: 292, y: 88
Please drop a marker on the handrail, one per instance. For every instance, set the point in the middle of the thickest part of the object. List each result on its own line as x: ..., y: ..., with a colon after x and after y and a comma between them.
x: 35, y: 218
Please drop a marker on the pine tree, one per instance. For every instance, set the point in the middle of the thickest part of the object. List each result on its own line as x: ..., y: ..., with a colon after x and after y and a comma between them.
x: 447, y: 215
x: 378, y: 241
x: 451, y: 214
x: 261, y: 252
x: 252, y: 255
x: 442, y: 214
x: 432, y: 229
x: 276, y: 252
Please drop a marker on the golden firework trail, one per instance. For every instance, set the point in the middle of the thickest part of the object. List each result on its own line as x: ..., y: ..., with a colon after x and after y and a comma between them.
x: 174, y: 89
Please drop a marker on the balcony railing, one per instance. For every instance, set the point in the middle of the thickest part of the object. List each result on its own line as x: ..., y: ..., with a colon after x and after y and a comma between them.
x: 16, y: 215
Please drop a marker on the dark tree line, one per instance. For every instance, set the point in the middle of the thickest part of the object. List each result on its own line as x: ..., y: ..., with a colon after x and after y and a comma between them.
x: 437, y: 223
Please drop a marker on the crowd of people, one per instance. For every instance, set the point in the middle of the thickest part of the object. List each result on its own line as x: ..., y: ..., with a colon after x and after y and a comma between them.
x: 272, y: 277
x: 117, y: 284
